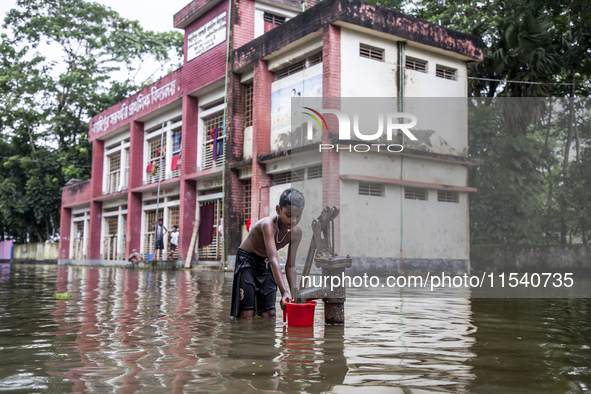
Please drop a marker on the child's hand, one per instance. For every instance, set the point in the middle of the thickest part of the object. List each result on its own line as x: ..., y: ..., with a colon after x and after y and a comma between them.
x: 285, y: 298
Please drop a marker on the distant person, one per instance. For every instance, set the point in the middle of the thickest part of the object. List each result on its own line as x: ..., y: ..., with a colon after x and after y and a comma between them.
x: 159, y: 230
x: 135, y: 257
x: 257, y: 273
x: 174, y: 241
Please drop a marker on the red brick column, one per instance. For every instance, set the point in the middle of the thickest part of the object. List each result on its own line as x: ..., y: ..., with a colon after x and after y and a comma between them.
x: 261, y: 136
x: 187, y: 215
x: 331, y: 89
x: 133, y: 238
x: 65, y: 233
x: 234, y: 190
x: 96, y: 207
x: 189, y: 135
x: 188, y: 188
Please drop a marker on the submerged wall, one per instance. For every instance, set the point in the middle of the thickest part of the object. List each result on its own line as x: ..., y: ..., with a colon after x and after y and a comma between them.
x: 503, y: 258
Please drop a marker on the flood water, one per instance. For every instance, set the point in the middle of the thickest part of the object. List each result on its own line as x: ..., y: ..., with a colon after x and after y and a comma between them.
x: 169, y: 331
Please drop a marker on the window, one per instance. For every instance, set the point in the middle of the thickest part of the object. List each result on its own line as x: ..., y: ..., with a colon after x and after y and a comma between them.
x: 248, y: 105
x: 156, y: 171
x: 315, y: 172
x: 288, y: 176
x: 445, y: 72
x: 447, y: 196
x: 371, y: 189
x: 176, y: 152
x: 114, y: 173
x: 213, y: 251
x: 110, y: 239
x: 291, y: 69
x: 416, y: 64
x: 299, y: 66
x: 272, y: 21
x: 413, y: 193
x: 213, y: 148
x: 371, y: 52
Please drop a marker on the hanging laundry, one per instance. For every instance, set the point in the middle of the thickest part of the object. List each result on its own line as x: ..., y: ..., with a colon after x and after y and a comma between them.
x: 220, y: 148
x: 175, y: 162
x: 214, y: 144
x: 248, y: 225
x: 154, y: 168
x: 211, y: 132
x: 149, y: 168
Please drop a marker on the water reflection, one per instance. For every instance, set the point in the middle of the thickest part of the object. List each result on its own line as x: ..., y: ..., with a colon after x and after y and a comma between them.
x: 161, y: 331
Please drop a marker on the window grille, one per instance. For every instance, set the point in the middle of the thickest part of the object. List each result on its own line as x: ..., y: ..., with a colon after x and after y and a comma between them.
x: 126, y: 171
x: 213, y: 251
x: 299, y: 66
x: 415, y: 64
x: 110, y: 239
x: 315, y: 172
x: 247, y: 198
x: 445, y: 72
x: 123, y: 243
x: 78, y: 252
x: 274, y: 19
x: 447, y: 196
x: 173, y: 219
x: 414, y: 193
x: 371, y: 189
x: 210, y: 123
x: 158, y: 171
x: 291, y: 69
x: 315, y: 59
x: 288, y: 176
x: 114, y: 173
x: 370, y: 52
x: 149, y: 232
x: 248, y: 114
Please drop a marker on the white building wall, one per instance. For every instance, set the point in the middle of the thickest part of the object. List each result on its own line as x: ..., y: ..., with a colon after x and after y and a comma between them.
x: 418, y: 84
x: 436, y: 230
x: 363, y: 77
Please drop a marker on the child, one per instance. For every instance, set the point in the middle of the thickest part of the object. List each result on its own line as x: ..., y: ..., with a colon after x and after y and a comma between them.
x: 159, y: 230
x: 257, y: 274
x: 174, y: 241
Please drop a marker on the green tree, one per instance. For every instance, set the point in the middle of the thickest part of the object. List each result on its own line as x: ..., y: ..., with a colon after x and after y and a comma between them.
x: 47, y: 102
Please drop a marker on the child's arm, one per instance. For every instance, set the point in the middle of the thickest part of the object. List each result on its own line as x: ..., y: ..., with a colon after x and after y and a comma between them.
x: 292, y: 251
x: 268, y: 235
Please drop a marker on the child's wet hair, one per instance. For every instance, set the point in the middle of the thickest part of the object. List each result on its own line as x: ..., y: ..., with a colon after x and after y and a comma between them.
x: 291, y: 197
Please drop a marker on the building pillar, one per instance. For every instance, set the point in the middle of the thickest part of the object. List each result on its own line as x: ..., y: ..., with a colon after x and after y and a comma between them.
x: 331, y: 91
x: 133, y: 237
x: 234, y: 189
x: 189, y: 140
x: 260, y: 181
x: 96, y: 207
x: 133, y: 232
x: 188, y: 188
x: 65, y: 233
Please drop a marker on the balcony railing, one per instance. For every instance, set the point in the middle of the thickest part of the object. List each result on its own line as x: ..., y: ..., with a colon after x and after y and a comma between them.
x: 208, y: 153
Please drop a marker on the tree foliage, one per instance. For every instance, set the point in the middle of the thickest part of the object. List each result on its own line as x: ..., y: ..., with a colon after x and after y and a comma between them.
x: 59, y: 62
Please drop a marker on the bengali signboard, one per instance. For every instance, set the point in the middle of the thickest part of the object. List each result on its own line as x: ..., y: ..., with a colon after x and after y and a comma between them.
x: 207, y: 37
x: 136, y: 105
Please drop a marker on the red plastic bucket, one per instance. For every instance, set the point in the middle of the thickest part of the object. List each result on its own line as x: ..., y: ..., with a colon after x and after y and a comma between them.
x: 299, y: 315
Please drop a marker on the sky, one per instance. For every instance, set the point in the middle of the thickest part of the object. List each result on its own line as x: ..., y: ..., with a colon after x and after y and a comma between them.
x: 156, y: 15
